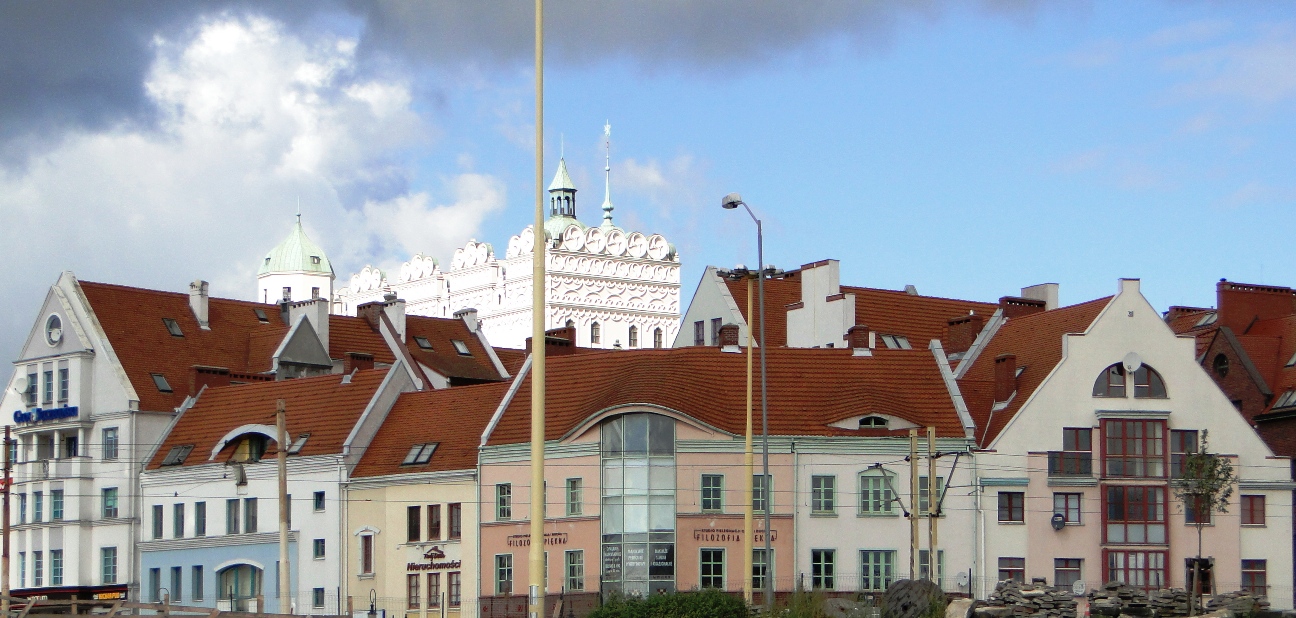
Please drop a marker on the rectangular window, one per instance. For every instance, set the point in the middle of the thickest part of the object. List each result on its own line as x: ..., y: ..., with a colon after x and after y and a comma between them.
x: 287, y: 293
x: 177, y: 584
x: 22, y: 569
x: 1012, y: 568
x: 923, y: 493
x: 760, y: 568
x: 38, y: 569
x: 412, y: 593
x: 575, y: 579
x: 1183, y: 442
x: 63, y: 385
x: 456, y: 521
x: 713, y: 492
x: 761, y: 491
x: 232, y: 516
x: 22, y: 508
x: 319, y: 501
x: 49, y: 387
x: 875, y: 494
x: 38, y: 506
x: 366, y: 554
x: 178, y: 521
x: 877, y: 569
x: 454, y: 588
x: 1134, y: 448
x: 1012, y: 506
x: 712, y: 569
x: 434, y: 590
x: 1066, y: 571
x: 56, y: 567
x: 1196, y: 510
x: 317, y: 594
x: 699, y: 335
x: 413, y: 520
x: 504, y: 574
x: 109, y: 503
x: 575, y: 497
x: 503, y: 501
x: 924, y: 567
x: 71, y: 446
x: 200, y: 519
x: 1068, y: 504
x: 32, y: 386
x: 1254, y: 577
x: 110, y: 443
x: 107, y: 565
x: 155, y: 585
x: 196, y: 575
x: 157, y: 521
x: 823, y: 567
x: 1142, y: 569
x: 434, y: 522
x: 1135, y: 515
x: 823, y: 494
x: 1076, y: 456
x: 318, y: 546
x: 715, y: 331
x: 1253, y: 510
x: 56, y: 504
x: 249, y: 515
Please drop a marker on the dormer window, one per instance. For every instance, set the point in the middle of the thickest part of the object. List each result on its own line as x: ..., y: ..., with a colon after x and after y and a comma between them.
x: 896, y: 342
x: 873, y: 422
x: 172, y: 327
x: 315, y: 259
x: 423, y: 343
x: 461, y: 347
x: 250, y: 448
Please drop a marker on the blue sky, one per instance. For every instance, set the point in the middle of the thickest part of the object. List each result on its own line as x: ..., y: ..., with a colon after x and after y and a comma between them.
x: 967, y: 149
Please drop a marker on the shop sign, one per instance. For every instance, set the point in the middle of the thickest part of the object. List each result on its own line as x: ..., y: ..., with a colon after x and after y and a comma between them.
x: 524, y: 540
x: 41, y: 414
x: 612, y: 562
x: 109, y: 596
x: 663, y: 561
x: 730, y: 535
x: 433, y: 555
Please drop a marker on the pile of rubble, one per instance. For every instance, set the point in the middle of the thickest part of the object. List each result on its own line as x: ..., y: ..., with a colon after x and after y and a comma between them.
x: 1015, y: 600
x: 1238, y: 603
x: 1115, y: 599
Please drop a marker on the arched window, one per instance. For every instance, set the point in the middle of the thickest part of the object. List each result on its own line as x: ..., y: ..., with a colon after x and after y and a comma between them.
x: 873, y: 422
x: 239, y: 585
x: 657, y: 338
x: 250, y: 448
x: 594, y: 333
x: 1148, y: 384
x: 570, y: 324
x: 634, y: 336
x: 1221, y: 365
x: 1111, y: 382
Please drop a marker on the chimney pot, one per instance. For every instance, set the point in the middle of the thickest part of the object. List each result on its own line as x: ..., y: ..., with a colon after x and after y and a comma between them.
x: 1005, y: 376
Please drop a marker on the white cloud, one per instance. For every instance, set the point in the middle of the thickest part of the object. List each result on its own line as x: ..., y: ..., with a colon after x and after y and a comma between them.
x: 252, y: 119
x: 1260, y: 70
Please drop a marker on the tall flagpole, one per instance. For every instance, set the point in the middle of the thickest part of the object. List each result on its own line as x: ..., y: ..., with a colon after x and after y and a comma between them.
x: 535, y: 569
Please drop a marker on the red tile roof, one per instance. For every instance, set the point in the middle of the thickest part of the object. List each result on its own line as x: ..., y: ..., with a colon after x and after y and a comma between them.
x: 808, y: 389
x: 512, y: 359
x: 466, y: 411
x: 1036, y: 340
x: 444, y: 358
x: 132, y: 319
x: 779, y: 293
x: 323, y: 406
x: 352, y: 334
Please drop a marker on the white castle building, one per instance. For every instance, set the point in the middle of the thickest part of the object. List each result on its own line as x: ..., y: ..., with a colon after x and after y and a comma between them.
x: 617, y: 288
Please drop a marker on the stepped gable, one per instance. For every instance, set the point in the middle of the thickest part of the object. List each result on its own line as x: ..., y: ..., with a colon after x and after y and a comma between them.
x: 454, y: 418
x: 326, y: 407
x: 1036, y: 340
x: 808, y: 390
x: 444, y: 357
x: 132, y: 319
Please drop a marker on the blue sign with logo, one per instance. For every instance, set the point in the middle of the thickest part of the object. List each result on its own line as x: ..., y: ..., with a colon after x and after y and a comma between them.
x: 40, y: 414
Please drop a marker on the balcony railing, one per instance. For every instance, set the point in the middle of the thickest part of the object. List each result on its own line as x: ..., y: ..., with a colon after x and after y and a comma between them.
x: 1070, y: 463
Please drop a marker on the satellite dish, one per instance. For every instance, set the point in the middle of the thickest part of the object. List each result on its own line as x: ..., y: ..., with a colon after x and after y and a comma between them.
x: 1132, y: 362
x: 1079, y: 587
x: 20, y: 384
x: 1058, y: 521
x: 963, y: 579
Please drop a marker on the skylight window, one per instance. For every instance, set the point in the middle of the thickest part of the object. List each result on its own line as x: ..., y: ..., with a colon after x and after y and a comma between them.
x: 1292, y: 361
x: 1207, y: 319
x: 1019, y: 371
x: 461, y: 347
x: 261, y: 314
x: 1287, y: 399
x: 896, y: 342
x: 423, y: 343
x: 173, y: 327
x: 176, y: 456
x: 297, y: 444
x: 419, y: 454
x: 160, y: 381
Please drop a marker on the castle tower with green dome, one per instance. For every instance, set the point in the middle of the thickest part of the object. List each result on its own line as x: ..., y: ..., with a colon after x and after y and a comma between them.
x: 296, y: 269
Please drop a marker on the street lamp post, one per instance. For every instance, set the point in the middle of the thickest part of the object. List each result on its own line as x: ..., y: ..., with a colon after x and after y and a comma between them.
x: 731, y: 202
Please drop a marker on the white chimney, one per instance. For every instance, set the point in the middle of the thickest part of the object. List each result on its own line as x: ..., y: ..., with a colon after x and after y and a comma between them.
x: 198, y: 302
x: 1047, y: 292
x: 469, y: 317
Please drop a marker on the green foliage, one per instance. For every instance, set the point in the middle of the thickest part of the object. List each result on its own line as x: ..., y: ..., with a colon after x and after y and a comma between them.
x: 937, y: 607
x: 1206, y: 485
x: 704, y: 604
x: 803, y: 604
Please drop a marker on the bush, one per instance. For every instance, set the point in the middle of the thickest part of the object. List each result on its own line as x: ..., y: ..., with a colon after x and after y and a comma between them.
x: 704, y: 604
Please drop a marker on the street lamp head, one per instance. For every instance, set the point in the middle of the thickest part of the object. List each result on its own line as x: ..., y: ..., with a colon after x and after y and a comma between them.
x: 731, y: 201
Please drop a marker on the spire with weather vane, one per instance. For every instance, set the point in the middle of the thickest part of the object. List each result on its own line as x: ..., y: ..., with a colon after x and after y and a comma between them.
x: 607, y: 175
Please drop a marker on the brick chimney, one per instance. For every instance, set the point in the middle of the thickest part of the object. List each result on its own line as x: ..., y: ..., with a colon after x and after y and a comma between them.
x: 200, y: 376
x: 729, y: 338
x: 198, y: 303
x: 962, y: 331
x: 1005, y: 376
x: 1243, y: 304
x: 1177, y: 311
x: 1016, y: 306
x: 860, y: 339
x: 558, y: 341
x: 357, y: 360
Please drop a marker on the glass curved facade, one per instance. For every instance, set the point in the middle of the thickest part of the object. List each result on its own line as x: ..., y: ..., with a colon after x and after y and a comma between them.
x: 638, y: 499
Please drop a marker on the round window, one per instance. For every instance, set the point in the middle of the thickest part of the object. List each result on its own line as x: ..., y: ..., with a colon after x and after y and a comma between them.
x: 53, y: 330
x: 1220, y: 365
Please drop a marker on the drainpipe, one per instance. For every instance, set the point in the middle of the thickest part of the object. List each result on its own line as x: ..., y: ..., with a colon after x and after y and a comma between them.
x: 978, y: 532
x: 796, y: 504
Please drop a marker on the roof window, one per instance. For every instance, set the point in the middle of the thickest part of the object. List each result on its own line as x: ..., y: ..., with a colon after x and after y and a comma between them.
x: 423, y: 343
x: 173, y: 327
x: 1207, y: 319
x: 315, y: 259
x: 1286, y: 399
x: 872, y: 422
x: 160, y: 381
x: 896, y: 342
x: 176, y: 456
x: 261, y: 314
x: 267, y: 259
x: 420, y: 454
x: 461, y: 347
x: 297, y: 444
x: 1292, y: 361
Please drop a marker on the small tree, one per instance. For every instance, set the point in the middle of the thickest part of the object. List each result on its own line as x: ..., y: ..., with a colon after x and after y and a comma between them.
x: 1204, y: 486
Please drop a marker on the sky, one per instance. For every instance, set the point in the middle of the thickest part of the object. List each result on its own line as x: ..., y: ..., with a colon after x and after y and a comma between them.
x: 967, y: 148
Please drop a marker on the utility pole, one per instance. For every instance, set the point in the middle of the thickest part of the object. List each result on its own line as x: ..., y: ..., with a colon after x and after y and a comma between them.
x: 749, y: 468
x: 933, y: 515
x: 913, y: 504
x: 285, y: 573
x: 536, y: 562
x: 4, y: 551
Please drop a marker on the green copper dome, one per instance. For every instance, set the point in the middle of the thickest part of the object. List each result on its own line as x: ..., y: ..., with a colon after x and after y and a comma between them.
x: 297, y: 253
